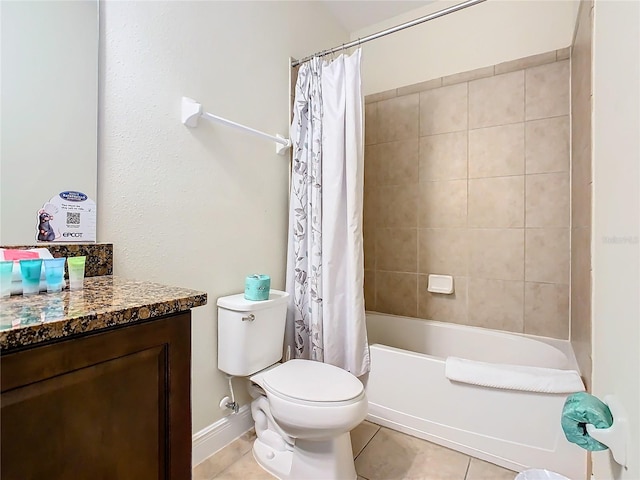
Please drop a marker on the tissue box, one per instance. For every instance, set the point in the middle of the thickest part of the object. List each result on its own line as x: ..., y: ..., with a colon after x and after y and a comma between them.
x: 256, y: 287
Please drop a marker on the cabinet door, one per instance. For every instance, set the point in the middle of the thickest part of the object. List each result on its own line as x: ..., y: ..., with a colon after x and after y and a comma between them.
x: 115, y: 405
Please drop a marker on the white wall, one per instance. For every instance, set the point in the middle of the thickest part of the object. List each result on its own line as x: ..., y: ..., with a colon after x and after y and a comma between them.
x: 485, y: 34
x: 49, y: 108
x: 616, y: 219
x: 199, y: 208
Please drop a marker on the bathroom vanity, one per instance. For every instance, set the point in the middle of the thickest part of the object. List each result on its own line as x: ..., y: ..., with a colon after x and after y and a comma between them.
x: 95, y: 384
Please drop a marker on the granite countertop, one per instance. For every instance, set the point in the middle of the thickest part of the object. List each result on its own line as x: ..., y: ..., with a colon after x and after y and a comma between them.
x: 105, y: 301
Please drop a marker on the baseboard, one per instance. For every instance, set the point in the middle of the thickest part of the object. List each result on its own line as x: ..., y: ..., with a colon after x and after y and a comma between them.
x: 216, y: 436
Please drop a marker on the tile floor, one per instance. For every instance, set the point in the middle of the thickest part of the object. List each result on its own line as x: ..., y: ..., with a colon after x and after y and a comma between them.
x: 380, y: 454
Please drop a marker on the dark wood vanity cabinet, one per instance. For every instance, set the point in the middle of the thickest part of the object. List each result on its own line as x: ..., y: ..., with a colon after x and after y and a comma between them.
x: 114, y: 405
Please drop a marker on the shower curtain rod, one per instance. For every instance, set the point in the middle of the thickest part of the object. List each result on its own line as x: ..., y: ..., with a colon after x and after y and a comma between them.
x: 397, y: 28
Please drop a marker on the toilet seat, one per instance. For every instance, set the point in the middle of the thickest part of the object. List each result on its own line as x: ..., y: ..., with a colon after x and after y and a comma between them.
x: 309, y: 382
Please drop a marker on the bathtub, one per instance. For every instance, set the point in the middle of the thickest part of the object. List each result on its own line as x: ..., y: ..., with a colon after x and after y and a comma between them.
x: 408, y: 392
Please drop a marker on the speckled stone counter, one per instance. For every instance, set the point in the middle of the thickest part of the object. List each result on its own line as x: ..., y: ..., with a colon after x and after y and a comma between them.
x: 105, y: 301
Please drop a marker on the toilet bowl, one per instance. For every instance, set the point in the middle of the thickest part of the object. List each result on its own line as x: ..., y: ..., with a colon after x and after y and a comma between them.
x: 314, y: 406
x: 303, y: 410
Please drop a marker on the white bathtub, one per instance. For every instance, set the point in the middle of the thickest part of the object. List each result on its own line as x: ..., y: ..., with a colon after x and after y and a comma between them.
x: 408, y: 392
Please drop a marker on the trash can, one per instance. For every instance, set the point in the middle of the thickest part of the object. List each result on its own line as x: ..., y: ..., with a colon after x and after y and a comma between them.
x: 539, y: 474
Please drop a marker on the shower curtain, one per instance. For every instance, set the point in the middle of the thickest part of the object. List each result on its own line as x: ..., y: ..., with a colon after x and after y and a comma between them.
x: 325, y: 263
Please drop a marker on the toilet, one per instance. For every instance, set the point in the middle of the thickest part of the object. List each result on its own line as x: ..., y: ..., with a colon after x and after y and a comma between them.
x: 303, y: 410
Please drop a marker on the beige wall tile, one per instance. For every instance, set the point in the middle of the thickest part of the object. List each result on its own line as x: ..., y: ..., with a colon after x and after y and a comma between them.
x: 496, y: 100
x: 443, y: 308
x: 496, y: 151
x: 581, y: 125
x: 526, y: 62
x: 581, y: 274
x: 547, y: 255
x: 443, y: 251
x: 442, y: 204
x: 398, y: 118
x: 397, y: 206
x: 496, y: 202
x: 419, y: 87
x: 581, y: 204
x: 547, y: 92
x: 399, y: 162
x: 547, y: 200
x: 396, y: 293
x: 496, y: 304
x: 377, y: 97
x: 369, y: 247
x: 581, y: 90
x: 563, y: 53
x: 468, y: 76
x: 371, y: 124
x: 443, y: 157
x: 581, y: 165
x: 581, y: 299
x: 546, y: 310
x: 372, y: 166
x: 581, y: 58
x: 443, y: 110
x: 582, y: 349
x: 371, y: 208
x: 370, y: 290
x: 547, y: 145
x: 397, y: 249
x: 395, y: 163
x: 497, y: 253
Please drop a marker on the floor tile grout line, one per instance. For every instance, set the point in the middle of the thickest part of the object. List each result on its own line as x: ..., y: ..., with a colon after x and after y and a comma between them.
x: 466, y: 473
x: 366, y: 444
x: 379, y: 428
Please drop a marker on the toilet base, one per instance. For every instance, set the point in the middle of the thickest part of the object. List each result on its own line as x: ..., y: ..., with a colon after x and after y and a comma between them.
x: 309, y: 460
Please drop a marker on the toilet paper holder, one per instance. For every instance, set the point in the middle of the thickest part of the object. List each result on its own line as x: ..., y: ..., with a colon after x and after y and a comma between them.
x: 616, y: 436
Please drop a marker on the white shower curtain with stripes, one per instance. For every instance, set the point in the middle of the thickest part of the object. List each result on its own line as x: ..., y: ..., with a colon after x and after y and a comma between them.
x: 325, y: 262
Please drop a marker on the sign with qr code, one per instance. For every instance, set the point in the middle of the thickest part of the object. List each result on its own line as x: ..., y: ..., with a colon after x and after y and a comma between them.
x: 70, y: 216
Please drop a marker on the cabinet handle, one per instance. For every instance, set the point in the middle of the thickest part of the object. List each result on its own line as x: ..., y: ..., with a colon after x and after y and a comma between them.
x: 250, y: 318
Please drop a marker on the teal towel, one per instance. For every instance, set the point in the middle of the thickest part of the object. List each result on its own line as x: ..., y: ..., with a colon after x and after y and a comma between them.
x: 582, y: 408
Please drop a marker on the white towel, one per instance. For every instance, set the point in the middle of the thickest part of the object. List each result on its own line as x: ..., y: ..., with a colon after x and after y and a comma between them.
x: 16, y: 276
x: 513, y: 377
x: 16, y: 287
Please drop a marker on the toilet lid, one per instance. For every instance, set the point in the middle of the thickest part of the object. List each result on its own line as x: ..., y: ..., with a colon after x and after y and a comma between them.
x: 313, y: 381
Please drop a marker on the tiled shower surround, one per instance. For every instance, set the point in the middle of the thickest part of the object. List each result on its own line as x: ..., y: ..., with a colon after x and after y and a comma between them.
x: 581, y: 91
x: 468, y: 175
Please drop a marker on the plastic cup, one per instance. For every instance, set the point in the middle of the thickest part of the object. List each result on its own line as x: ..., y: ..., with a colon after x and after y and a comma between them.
x: 76, y: 272
x: 54, y: 273
x: 6, y: 271
x: 31, y: 270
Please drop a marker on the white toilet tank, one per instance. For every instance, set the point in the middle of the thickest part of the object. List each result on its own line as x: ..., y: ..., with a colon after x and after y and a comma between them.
x: 250, y: 333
